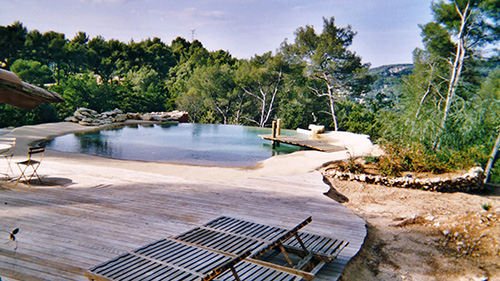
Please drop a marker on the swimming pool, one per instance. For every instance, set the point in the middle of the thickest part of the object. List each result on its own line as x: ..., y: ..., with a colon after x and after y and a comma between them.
x: 186, y: 143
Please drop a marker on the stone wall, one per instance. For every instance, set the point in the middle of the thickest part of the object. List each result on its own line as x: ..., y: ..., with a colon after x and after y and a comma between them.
x: 89, y: 117
x: 470, y: 181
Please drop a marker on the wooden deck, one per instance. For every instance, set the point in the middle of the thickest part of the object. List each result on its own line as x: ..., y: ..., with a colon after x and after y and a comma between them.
x: 312, y: 144
x: 67, y: 230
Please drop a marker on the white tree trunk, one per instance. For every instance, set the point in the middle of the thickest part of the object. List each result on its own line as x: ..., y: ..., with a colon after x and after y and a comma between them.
x: 491, y: 161
x: 331, y: 100
x: 455, y: 71
x: 266, y: 109
x: 332, y: 109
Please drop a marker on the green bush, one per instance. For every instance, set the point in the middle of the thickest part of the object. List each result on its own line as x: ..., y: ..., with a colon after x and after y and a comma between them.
x: 414, y: 157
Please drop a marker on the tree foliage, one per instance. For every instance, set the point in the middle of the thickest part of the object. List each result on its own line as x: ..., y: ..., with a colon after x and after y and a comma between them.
x: 443, y: 107
x: 212, y: 86
x: 334, y: 70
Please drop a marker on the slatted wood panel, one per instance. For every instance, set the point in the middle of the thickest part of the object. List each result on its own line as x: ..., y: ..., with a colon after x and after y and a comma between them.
x: 323, y: 245
x: 228, y: 243
x: 161, y: 260
x: 128, y: 266
x: 250, y: 271
x: 245, y: 228
x: 172, y: 260
x: 326, y: 246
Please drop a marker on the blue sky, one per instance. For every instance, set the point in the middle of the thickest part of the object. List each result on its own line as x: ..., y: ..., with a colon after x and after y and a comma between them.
x: 387, y: 30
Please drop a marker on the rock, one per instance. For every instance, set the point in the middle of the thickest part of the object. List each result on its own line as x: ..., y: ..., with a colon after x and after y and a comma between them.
x: 316, y: 129
x: 88, y: 117
x: 180, y: 116
x: 108, y: 113
x: 84, y: 123
x: 120, y: 117
x: 72, y: 119
x: 134, y: 116
x: 146, y: 117
x: 362, y: 177
x: 85, y: 112
x: 78, y: 116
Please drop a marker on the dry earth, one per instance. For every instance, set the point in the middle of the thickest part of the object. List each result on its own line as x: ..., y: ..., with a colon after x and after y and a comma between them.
x: 423, y: 235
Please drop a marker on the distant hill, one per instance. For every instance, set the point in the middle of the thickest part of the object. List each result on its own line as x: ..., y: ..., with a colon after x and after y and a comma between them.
x: 392, y: 69
x: 388, y: 76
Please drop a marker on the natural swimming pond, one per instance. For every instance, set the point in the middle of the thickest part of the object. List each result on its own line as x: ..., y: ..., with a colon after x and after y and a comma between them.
x: 186, y: 143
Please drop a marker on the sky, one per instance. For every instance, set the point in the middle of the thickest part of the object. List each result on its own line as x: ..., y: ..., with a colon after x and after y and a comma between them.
x: 387, y: 30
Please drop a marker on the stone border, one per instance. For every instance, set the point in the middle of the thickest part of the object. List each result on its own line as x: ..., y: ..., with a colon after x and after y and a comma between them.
x: 89, y: 117
x: 470, y: 181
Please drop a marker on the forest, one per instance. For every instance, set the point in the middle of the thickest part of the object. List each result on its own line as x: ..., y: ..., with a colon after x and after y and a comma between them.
x: 440, y: 113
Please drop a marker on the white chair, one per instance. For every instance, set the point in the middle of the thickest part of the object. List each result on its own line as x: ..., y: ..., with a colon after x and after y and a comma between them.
x: 7, y: 151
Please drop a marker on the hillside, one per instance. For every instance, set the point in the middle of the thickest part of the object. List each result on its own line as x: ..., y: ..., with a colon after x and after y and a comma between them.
x: 388, y: 76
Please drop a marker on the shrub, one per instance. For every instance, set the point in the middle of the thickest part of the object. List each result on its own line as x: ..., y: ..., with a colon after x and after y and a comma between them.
x: 351, y: 166
x: 415, y: 157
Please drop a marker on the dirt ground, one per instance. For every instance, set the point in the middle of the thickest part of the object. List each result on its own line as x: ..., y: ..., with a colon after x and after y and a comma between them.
x: 423, y: 235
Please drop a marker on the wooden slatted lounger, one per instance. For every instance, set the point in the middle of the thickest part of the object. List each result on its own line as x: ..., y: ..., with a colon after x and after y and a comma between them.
x: 234, y: 236
x: 224, y: 249
x: 323, y: 247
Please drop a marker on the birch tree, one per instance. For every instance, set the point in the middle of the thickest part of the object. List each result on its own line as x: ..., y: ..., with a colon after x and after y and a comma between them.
x: 471, y: 25
x: 262, y: 79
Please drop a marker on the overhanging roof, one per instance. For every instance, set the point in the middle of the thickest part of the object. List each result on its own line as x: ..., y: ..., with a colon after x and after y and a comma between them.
x: 20, y: 94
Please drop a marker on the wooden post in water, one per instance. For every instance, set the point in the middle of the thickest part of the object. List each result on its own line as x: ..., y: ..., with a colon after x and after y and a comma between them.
x: 278, y: 130
x: 278, y: 125
x: 273, y: 132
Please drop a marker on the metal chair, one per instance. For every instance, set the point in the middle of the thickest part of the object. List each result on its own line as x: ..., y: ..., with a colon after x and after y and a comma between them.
x: 7, y: 151
x: 35, y: 156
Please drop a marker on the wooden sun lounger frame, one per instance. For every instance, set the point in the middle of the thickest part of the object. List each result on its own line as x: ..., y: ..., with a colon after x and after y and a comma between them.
x: 249, y: 253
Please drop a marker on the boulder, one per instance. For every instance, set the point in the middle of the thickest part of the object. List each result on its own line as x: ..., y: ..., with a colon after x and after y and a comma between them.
x: 88, y: 117
x: 316, y: 129
x: 120, y: 117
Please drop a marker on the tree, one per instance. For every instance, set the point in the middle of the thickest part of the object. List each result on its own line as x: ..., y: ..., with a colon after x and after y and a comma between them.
x: 262, y: 78
x: 32, y: 72
x: 12, y: 39
x: 217, y: 87
x: 444, y: 110
x: 141, y: 91
x: 76, y: 53
x: 470, y: 25
x: 334, y: 70
x: 489, y: 113
x: 85, y: 90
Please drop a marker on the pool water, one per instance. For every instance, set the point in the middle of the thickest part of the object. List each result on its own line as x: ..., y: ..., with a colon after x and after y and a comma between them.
x: 186, y: 143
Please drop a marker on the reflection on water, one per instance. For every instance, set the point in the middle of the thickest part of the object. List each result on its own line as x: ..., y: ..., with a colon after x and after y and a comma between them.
x: 199, y: 144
